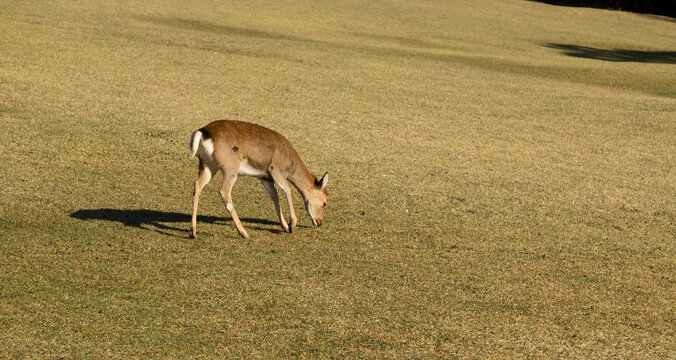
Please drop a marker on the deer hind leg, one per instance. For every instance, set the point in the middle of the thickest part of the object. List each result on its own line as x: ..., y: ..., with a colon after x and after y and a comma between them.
x: 229, y: 179
x: 270, y: 188
x: 284, y: 185
x: 205, y: 174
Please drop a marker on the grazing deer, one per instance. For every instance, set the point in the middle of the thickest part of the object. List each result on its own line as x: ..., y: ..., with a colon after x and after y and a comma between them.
x: 241, y: 148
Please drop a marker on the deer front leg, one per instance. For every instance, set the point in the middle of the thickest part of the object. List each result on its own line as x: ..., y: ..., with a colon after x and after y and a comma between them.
x: 270, y: 188
x: 203, y: 178
x: 226, y: 190
x: 284, y: 185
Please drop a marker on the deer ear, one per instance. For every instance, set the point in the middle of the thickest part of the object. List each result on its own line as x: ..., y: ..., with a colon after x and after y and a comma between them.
x: 321, y: 183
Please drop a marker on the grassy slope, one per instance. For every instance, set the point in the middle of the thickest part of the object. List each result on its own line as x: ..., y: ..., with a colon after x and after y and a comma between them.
x: 539, y: 186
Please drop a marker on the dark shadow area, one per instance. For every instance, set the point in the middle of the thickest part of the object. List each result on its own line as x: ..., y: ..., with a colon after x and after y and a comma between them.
x: 156, y: 220
x: 656, y: 7
x: 204, y: 26
x: 660, y: 18
x: 617, y: 55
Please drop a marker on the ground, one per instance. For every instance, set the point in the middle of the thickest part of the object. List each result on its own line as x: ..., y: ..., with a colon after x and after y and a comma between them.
x: 501, y: 180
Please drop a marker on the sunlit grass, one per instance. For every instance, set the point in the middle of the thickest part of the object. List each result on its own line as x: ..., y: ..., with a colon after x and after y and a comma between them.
x: 502, y: 180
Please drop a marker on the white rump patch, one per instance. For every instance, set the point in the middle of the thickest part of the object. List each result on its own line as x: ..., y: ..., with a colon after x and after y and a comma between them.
x: 208, y: 147
x: 246, y: 169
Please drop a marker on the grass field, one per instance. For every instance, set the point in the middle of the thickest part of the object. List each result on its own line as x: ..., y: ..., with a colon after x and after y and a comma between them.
x: 503, y: 180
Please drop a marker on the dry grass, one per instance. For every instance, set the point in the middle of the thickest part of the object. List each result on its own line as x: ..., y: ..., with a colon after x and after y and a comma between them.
x: 502, y: 181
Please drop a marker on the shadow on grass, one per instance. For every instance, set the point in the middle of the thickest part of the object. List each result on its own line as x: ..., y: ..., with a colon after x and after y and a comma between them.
x: 616, y: 55
x: 413, y: 49
x: 156, y: 220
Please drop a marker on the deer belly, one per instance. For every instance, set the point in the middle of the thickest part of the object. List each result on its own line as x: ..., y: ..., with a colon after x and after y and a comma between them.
x: 246, y: 169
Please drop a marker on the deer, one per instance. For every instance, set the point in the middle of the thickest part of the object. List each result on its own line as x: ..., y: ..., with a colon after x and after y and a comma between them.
x: 242, y: 148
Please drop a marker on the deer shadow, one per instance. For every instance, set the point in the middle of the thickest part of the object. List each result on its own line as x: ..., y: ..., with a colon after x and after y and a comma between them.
x: 154, y: 220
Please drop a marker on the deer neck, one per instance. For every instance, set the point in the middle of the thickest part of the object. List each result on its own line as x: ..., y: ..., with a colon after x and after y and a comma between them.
x: 303, y: 181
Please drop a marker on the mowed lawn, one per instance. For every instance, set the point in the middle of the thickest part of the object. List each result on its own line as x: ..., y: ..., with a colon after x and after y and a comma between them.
x: 502, y: 180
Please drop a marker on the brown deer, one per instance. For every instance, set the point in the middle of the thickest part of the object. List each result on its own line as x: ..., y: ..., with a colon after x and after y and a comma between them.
x: 242, y: 148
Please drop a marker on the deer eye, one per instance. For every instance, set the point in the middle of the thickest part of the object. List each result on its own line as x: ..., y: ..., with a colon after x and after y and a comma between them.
x: 324, y: 205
